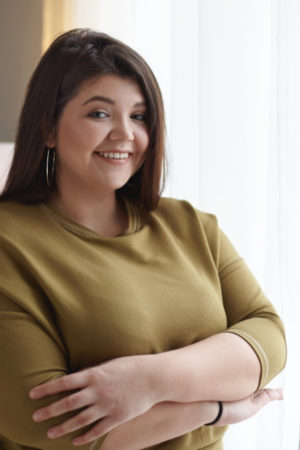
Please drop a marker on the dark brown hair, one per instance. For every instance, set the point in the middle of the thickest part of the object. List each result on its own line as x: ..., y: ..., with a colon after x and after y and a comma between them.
x: 74, y: 57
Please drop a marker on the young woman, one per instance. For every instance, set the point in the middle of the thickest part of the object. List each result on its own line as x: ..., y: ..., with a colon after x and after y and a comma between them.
x: 127, y: 320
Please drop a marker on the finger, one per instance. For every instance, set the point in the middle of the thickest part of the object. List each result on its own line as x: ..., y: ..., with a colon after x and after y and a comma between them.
x: 69, y: 403
x: 64, y: 383
x: 86, y: 417
x: 266, y: 395
x: 101, y: 428
x: 274, y: 394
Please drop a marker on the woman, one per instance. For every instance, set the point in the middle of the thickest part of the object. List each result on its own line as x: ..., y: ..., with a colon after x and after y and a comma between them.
x: 128, y: 321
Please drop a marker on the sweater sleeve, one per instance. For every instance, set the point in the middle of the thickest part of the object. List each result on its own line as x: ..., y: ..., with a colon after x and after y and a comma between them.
x: 30, y: 354
x: 249, y: 313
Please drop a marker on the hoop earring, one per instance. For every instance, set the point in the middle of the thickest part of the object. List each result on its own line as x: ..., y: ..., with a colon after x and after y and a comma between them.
x: 50, y: 170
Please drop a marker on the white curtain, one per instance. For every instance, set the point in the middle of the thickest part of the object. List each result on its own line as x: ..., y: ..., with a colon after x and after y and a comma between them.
x: 229, y: 72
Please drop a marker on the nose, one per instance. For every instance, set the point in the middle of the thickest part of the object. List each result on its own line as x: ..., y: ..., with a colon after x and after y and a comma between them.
x: 122, y: 130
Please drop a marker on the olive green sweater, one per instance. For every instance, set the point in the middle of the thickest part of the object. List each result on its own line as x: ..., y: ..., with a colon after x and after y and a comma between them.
x: 71, y: 299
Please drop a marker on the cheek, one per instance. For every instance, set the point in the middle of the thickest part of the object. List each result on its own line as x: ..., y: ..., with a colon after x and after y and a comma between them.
x: 143, y: 144
x: 83, y: 136
x: 68, y: 138
x: 143, y: 140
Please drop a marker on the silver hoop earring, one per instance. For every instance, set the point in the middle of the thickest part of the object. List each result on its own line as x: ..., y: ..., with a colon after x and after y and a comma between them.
x: 50, y: 166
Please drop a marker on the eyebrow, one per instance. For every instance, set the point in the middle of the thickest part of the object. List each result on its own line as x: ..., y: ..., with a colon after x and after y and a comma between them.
x: 100, y: 98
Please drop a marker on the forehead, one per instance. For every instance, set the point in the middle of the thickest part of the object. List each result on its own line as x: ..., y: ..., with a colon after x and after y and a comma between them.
x: 111, y: 85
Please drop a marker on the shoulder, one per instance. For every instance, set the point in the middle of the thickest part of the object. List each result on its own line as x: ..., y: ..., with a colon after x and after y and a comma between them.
x: 11, y: 208
x: 16, y: 218
x: 200, y: 228
x: 10, y: 212
x: 185, y: 223
x: 181, y: 211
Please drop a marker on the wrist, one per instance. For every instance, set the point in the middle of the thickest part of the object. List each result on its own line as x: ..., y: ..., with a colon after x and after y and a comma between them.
x: 151, y: 371
x: 164, y: 379
x: 218, y: 416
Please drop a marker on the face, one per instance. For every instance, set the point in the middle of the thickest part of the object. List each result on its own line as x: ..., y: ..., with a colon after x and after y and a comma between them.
x: 101, y: 137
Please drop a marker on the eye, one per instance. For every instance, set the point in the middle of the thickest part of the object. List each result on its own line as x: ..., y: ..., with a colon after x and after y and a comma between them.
x: 98, y: 114
x: 140, y: 117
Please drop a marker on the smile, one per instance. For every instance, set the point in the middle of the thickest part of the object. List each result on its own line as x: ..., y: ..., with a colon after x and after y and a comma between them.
x: 116, y: 155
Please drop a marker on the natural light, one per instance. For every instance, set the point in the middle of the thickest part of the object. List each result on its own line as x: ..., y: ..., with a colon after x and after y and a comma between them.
x: 229, y: 73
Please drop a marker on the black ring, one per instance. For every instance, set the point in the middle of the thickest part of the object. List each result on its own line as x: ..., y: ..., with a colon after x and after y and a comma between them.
x: 218, y: 416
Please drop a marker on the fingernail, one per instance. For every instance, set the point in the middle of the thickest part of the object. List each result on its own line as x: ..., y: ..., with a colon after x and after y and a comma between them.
x: 37, y: 416
x: 33, y: 394
x: 51, y: 434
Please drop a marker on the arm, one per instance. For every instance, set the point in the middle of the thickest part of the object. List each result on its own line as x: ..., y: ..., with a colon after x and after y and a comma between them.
x: 126, y: 388
x: 162, y: 422
x: 169, y: 420
x: 251, y: 351
x: 206, y: 369
x: 31, y: 353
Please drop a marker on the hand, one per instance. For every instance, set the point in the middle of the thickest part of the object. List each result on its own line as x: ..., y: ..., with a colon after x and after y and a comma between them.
x: 111, y: 393
x: 168, y: 420
x: 234, y: 412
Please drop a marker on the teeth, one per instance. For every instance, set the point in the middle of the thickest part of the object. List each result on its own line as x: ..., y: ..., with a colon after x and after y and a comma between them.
x: 114, y: 155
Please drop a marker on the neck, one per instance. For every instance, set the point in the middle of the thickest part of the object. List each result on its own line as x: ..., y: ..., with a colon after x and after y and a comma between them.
x: 102, y: 213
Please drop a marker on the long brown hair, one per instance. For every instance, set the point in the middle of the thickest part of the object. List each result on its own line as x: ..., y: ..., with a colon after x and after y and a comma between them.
x: 74, y: 57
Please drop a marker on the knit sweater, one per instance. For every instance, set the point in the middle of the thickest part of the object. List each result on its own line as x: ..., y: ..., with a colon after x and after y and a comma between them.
x: 71, y: 299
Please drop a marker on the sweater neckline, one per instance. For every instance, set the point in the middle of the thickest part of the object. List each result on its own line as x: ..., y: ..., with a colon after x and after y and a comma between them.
x: 134, y: 222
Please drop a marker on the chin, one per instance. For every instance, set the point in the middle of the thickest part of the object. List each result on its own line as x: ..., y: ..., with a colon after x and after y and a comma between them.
x: 114, y: 186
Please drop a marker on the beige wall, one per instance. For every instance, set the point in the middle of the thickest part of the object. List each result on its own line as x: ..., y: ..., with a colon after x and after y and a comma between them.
x: 20, y: 50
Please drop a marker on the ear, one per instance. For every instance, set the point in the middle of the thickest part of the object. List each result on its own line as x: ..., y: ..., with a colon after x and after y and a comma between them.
x: 51, y: 141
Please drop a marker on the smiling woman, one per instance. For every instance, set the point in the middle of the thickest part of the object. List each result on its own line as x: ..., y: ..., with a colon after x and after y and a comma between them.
x: 101, y: 141
x: 108, y: 59
x: 142, y: 327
